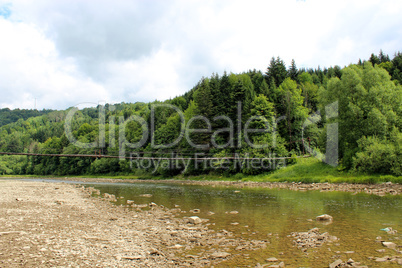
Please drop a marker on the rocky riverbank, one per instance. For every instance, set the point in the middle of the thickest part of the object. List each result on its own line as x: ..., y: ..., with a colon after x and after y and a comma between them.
x: 56, y: 224
x: 376, y: 189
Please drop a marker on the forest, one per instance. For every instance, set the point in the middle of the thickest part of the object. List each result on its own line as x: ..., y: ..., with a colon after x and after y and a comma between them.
x: 284, y: 108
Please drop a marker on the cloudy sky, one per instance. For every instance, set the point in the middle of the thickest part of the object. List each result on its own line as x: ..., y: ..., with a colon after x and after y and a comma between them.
x: 63, y: 53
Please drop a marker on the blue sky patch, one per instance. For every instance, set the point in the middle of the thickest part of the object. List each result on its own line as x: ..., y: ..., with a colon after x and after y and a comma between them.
x: 5, y: 11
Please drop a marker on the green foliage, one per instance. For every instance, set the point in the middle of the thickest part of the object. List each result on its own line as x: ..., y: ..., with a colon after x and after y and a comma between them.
x: 369, y: 105
x: 379, y: 156
x: 276, y: 104
x: 8, y: 116
x: 276, y: 72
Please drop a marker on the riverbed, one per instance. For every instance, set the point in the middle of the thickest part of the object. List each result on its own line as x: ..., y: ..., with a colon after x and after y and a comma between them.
x: 255, y: 225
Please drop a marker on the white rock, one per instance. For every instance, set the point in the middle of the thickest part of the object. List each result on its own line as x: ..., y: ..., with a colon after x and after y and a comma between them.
x: 194, y: 220
x: 389, y: 245
x: 324, y: 217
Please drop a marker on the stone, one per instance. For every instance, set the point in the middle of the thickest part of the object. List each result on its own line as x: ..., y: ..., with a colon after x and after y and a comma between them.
x: 220, y: 255
x: 152, y: 204
x: 381, y: 259
x: 234, y: 212
x: 194, y: 220
x: 324, y: 217
x: 129, y: 202
x: 195, y: 210
x: 146, y: 195
x: 177, y: 246
x: 314, y: 230
x: 272, y: 259
x: 335, y: 263
x: 134, y: 257
x: 389, y: 245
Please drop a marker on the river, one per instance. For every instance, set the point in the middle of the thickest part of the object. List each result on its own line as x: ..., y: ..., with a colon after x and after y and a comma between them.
x: 273, y: 215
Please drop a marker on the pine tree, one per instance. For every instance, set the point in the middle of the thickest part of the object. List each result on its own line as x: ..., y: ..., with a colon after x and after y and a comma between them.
x: 374, y: 59
x: 382, y: 57
x: 292, y: 73
x: 276, y: 72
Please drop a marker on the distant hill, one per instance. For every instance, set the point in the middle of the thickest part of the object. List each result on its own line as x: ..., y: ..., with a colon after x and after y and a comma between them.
x: 8, y: 116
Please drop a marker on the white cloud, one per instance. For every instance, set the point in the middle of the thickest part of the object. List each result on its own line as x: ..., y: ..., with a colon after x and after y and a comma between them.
x: 67, y: 52
x: 32, y: 69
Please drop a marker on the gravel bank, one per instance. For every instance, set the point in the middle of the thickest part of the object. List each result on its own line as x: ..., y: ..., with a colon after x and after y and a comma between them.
x: 56, y: 224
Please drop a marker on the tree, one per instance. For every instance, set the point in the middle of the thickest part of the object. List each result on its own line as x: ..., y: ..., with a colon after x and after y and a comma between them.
x: 276, y: 72
x: 382, y: 57
x: 397, y: 67
x: 374, y: 59
x: 369, y: 105
x: 292, y: 108
x: 203, y: 98
x: 292, y: 73
x: 309, y: 91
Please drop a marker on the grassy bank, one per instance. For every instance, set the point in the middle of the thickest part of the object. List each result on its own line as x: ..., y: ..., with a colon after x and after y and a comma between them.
x: 306, y: 170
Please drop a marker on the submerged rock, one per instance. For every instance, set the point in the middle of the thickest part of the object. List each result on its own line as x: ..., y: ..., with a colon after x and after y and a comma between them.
x: 311, y: 239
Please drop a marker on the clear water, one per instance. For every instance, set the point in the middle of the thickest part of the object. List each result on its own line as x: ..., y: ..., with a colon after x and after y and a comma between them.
x: 274, y: 214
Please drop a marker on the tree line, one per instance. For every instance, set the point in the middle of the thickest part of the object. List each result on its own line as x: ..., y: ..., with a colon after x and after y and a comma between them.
x: 280, y: 100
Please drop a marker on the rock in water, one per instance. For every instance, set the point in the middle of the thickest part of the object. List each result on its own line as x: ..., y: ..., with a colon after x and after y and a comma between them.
x: 324, y: 217
x: 220, y: 255
x: 194, y: 220
x: 335, y: 263
x: 389, y: 245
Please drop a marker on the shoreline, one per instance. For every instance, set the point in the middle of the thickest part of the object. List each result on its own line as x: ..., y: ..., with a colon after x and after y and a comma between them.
x: 57, y: 224
x: 380, y: 189
x: 46, y: 224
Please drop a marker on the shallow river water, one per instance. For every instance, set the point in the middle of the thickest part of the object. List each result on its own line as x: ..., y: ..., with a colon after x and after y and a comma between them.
x: 272, y: 215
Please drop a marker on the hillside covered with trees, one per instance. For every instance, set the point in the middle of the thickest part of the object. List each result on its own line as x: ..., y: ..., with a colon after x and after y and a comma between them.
x: 286, y: 106
x: 8, y: 116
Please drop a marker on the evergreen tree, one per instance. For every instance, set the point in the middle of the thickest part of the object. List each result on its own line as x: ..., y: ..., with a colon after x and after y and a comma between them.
x: 382, y: 57
x: 276, y: 72
x: 292, y: 73
x: 374, y: 59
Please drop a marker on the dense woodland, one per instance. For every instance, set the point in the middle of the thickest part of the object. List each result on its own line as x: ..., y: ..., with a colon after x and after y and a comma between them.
x: 369, y: 95
x: 8, y: 116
